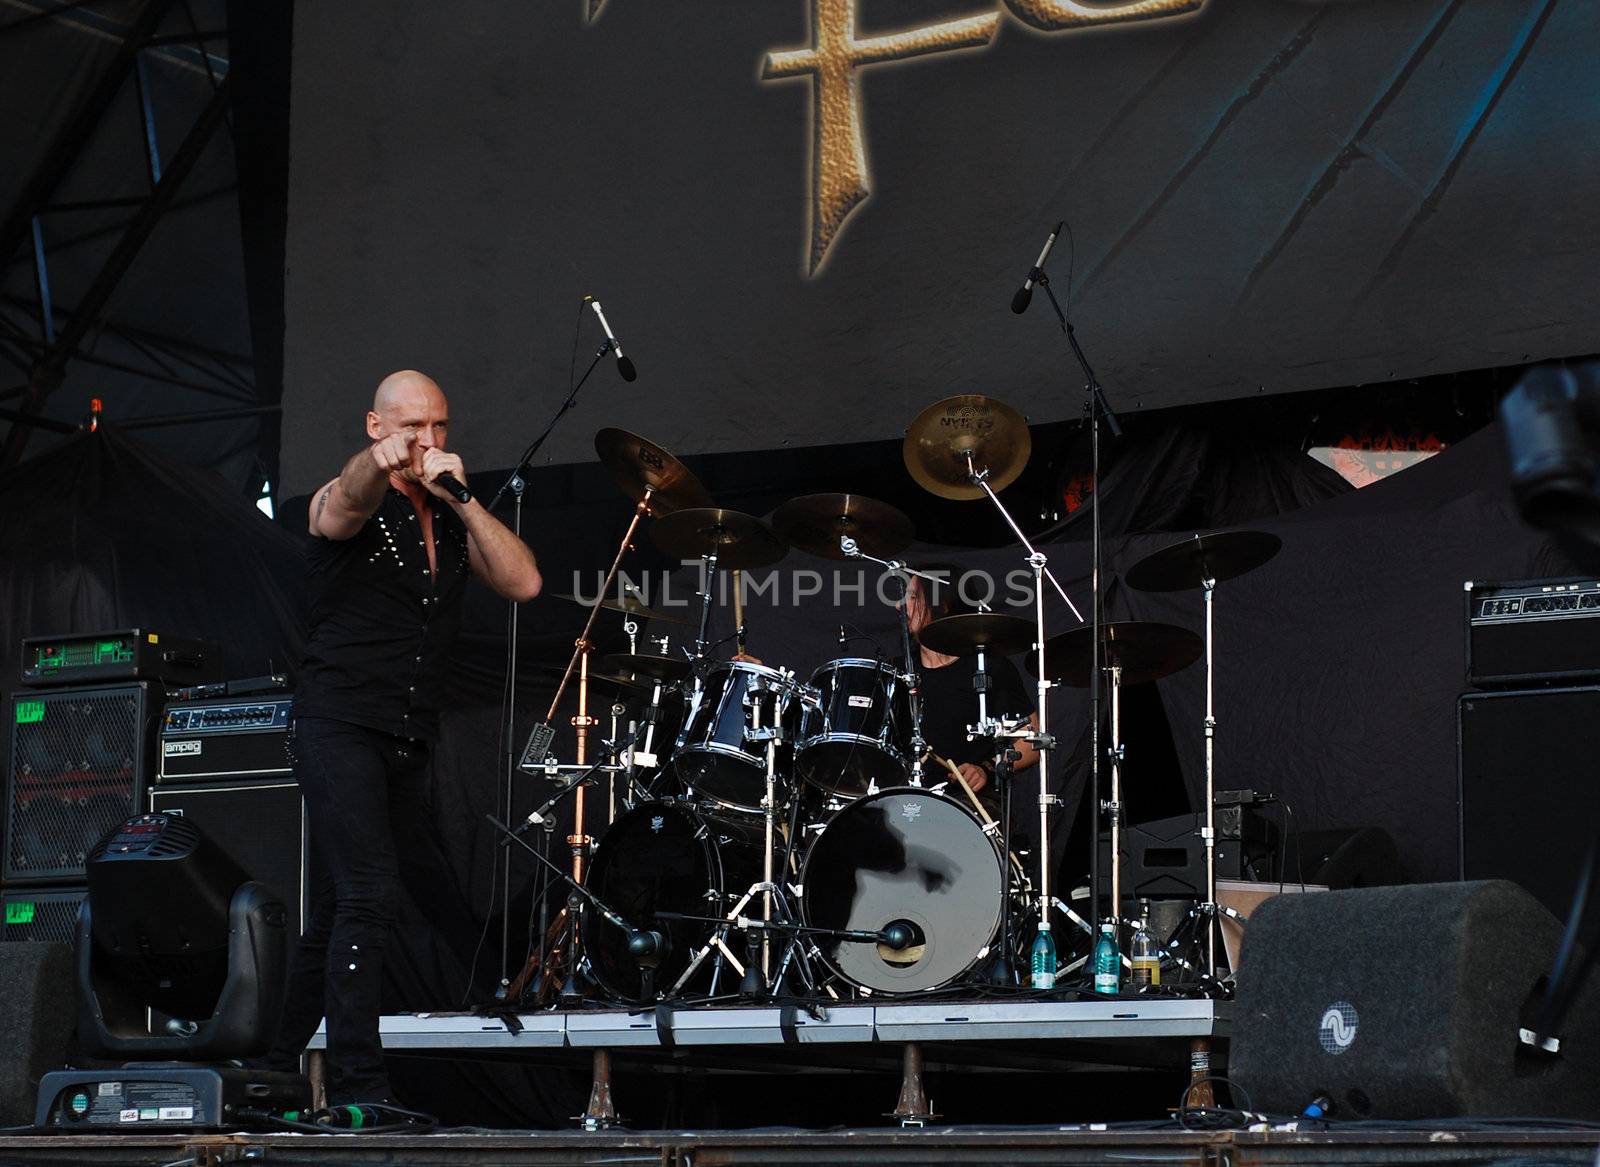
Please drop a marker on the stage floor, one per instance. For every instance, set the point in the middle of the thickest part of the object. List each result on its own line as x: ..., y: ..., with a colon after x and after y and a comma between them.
x: 1445, y: 1144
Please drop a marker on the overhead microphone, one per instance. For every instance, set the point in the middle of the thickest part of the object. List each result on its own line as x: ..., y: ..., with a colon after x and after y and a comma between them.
x: 1019, y: 302
x: 624, y: 365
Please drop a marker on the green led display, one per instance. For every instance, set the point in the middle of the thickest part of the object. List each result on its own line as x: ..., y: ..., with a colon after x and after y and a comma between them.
x: 29, y: 712
x: 19, y: 912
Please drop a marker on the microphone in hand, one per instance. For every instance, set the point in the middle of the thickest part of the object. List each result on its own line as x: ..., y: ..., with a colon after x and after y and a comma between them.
x: 457, y: 489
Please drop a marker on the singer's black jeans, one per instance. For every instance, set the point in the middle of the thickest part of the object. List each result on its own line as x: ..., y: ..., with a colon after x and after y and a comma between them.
x: 363, y: 791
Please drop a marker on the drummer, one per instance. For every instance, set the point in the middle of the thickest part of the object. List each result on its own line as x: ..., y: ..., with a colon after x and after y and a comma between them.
x: 950, y: 703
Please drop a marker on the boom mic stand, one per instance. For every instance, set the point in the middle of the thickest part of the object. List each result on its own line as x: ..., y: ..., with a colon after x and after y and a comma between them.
x: 1098, y: 410
x: 515, y: 484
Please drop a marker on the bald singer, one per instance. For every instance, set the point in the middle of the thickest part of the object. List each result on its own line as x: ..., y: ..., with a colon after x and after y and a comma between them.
x: 392, y: 547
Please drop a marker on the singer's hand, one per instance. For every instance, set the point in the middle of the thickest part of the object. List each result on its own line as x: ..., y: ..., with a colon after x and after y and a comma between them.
x: 977, y: 777
x: 395, y: 453
x: 436, y: 462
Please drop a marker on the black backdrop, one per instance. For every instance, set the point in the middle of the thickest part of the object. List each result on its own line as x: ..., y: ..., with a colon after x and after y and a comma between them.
x: 1264, y: 196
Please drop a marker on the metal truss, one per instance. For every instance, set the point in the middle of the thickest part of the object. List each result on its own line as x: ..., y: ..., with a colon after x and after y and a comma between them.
x: 40, y: 338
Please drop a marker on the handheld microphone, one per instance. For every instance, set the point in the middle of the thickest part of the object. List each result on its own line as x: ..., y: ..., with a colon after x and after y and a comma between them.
x: 448, y: 481
x: 1019, y: 302
x: 624, y: 365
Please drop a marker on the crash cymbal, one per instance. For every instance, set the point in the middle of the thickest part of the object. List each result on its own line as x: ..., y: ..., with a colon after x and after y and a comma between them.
x: 1190, y: 563
x: 639, y: 464
x: 964, y: 634
x: 630, y: 605
x: 643, y: 664
x: 1143, y: 649
x: 625, y: 684
x: 816, y: 522
x: 941, y: 436
x: 740, y: 540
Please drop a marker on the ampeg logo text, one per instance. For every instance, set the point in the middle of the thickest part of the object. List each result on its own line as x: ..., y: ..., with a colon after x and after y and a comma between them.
x: 1337, y: 1031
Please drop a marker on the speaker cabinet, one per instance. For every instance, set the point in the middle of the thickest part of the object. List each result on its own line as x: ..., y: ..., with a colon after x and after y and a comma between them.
x: 1529, y: 798
x: 259, y: 824
x: 36, y: 984
x: 80, y: 761
x: 41, y: 915
x: 1406, y: 1002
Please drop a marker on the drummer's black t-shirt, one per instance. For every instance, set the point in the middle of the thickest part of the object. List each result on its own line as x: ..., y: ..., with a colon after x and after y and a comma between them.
x: 950, y: 704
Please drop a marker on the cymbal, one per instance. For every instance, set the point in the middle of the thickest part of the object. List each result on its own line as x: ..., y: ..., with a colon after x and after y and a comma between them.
x: 630, y: 605
x: 643, y: 664
x: 626, y: 684
x: 1190, y: 563
x: 816, y: 522
x: 740, y: 540
x: 638, y: 464
x: 1143, y: 649
x: 964, y: 634
x: 940, y: 437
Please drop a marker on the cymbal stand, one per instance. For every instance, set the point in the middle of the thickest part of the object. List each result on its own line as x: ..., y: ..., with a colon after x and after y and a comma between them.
x: 701, y: 643
x: 912, y: 678
x: 1114, y: 806
x: 1209, y: 839
x: 1041, y: 740
x: 578, y: 841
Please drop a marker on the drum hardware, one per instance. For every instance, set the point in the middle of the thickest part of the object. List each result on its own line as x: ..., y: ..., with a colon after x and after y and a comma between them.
x: 717, y: 536
x: 1203, y: 561
x: 630, y: 604
x: 965, y: 448
x: 850, y: 549
x: 1131, y: 652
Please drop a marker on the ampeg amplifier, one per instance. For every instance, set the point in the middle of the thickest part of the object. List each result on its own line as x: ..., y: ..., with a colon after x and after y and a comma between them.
x: 77, y: 658
x: 1533, y: 631
x: 225, y: 737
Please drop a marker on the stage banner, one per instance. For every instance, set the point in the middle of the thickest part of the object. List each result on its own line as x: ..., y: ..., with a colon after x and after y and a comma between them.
x: 807, y: 219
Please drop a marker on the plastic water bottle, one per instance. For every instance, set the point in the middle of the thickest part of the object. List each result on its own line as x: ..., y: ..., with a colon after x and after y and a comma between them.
x: 1044, y: 959
x: 1107, y: 960
x: 1143, y: 953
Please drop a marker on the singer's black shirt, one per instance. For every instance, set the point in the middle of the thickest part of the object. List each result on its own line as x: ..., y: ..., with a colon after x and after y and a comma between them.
x: 382, y: 625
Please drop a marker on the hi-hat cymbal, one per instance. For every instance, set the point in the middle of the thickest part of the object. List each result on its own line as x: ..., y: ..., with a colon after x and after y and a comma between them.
x: 941, y: 436
x: 630, y: 605
x: 965, y: 633
x: 816, y: 523
x: 1198, y: 558
x: 739, y: 540
x: 638, y: 464
x: 1142, y: 649
x: 643, y: 664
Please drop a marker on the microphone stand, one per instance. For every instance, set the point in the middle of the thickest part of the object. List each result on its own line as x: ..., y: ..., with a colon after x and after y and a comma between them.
x: 515, y: 484
x: 1098, y: 410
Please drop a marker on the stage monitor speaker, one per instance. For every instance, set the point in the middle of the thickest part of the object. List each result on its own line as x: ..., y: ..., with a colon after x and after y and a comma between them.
x: 1406, y: 1002
x: 80, y: 761
x: 1529, y: 804
x: 260, y: 825
x: 36, y: 984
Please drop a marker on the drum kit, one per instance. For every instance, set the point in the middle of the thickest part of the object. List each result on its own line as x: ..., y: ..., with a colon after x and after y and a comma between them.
x: 773, y: 837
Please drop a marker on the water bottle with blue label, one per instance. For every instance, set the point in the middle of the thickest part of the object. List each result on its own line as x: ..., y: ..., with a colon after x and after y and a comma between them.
x: 1107, y: 960
x: 1044, y: 958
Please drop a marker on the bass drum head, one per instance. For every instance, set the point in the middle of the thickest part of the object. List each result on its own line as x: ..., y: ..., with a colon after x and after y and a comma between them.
x: 660, y: 856
x: 910, y: 857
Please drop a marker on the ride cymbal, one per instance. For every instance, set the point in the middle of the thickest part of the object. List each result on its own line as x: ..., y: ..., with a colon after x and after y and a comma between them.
x: 816, y: 523
x: 1142, y: 649
x: 739, y: 540
x: 941, y: 437
x: 965, y: 633
x: 1189, y: 564
x: 643, y: 664
x: 638, y: 464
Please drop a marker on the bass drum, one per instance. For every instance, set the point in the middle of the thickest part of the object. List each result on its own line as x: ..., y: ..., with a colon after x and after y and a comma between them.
x: 668, y: 857
x: 911, y: 857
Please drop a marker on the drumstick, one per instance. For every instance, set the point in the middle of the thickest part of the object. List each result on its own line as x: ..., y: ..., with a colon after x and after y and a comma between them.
x: 983, y: 813
x: 738, y: 607
x: 955, y: 772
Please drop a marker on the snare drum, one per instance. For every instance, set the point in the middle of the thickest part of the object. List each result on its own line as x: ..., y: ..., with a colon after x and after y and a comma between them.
x: 858, y: 735
x: 713, y: 758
